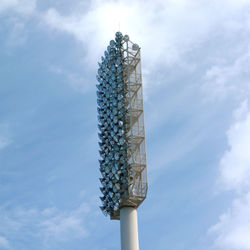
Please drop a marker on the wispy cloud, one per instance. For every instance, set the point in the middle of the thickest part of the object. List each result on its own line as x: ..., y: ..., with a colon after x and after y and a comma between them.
x: 235, y: 163
x: 4, y: 243
x: 224, y: 80
x: 160, y: 25
x: 17, y: 36
x: 165, y: 29
x: 233, y: 228
x: 61, y: 226
x: 46, y: 225
x: 4, y: 142
x: 17, y: 16
x: 4, y: 136
x: 76, y: 81
x: 24, y: 7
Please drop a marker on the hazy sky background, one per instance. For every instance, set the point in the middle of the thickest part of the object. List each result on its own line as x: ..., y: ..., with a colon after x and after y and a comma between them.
x: 196, y: 76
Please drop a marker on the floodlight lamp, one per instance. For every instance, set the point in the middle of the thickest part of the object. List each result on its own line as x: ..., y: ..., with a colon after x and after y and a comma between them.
x: 118, y: 34
x: 116, y: 156
x: 120, y: 105
x: 119, y: 70
x: 104, y: 210
x: 115, y: 120
x: 135, y: 47
x: 98, y: 94
x: 115, y: 138
x: 126, y: 38
x: 115, y: 111
x: 119, y: 45
x: 102, y: 198
x: 120, y: 97
x: 119, y: 53
x: 113, y: 171
x: 113, y: 68
x: 115, y: 129
x: 102, y: 154
x: 99, y: 87
x: 118, y: 61
x: 121, y: 141
x: 116, y: 176
x: 115, y: 190
x: 103, y: 181
x: 120, y: 123
x: 121, y: 132
x: 120, y: 87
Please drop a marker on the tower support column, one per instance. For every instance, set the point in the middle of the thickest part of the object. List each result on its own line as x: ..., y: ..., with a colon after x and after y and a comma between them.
x: 129, y: 228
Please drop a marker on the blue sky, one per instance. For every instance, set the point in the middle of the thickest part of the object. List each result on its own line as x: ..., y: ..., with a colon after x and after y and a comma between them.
x: 196, y: 71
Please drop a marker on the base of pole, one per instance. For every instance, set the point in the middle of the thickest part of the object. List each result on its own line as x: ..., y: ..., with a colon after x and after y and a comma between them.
x: 129, y: 228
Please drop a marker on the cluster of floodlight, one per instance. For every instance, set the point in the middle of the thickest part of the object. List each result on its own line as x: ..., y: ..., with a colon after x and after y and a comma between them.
x: 111, y: 100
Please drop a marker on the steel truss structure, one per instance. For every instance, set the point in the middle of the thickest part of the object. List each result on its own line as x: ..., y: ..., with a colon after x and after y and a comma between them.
x: 137, y: 167
x: 127, y: 185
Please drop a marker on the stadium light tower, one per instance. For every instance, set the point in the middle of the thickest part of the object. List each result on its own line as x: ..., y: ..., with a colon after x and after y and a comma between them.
x: 122, y: 136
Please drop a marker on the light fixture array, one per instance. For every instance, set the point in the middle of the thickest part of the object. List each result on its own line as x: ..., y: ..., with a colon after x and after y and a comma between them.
x: 112, y: 126
x: 121, y: 127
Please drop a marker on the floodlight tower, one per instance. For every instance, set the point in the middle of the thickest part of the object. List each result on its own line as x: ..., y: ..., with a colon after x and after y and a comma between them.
x: 122, y: 136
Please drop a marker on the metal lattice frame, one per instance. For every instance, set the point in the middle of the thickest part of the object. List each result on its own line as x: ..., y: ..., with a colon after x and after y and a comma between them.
x: 137, y: 174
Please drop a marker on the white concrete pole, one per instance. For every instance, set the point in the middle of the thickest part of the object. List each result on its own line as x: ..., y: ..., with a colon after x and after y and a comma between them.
x: 129, y: 228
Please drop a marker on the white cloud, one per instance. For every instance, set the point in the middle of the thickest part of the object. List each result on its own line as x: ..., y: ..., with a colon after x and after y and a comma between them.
x: 17, y: 15
x: 24, y: 7
x: 161, y: 27
x: 4, y: 136
x: 61, y: 226
x: 233, y: 228
x: 167, y: 31
x: 4, y: 243
x: 75, y: 80
x: 49, y: 225
x: 6, y: 4
x: 230, y: 79
x: 17, y: 36
x: 4, y: 142
x: 235, y: 163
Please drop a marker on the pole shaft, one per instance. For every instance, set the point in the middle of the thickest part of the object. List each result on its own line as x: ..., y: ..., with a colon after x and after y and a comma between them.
x: 129, y: 228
